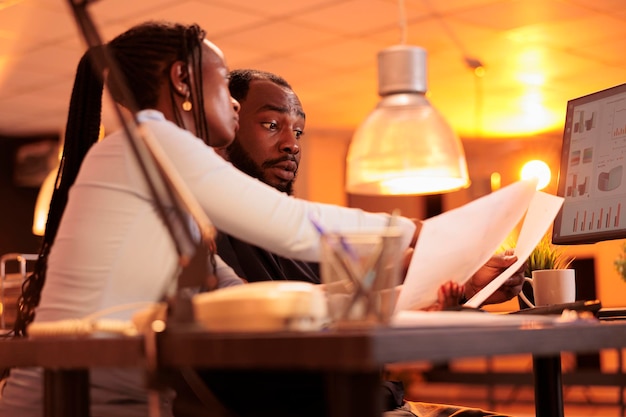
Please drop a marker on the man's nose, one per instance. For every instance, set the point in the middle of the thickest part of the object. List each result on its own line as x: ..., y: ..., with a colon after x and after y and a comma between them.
x: 289, y: 143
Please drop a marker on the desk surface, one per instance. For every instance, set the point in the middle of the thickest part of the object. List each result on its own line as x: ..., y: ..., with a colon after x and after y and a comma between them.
x: 67, y: 352
x: 347, y: 349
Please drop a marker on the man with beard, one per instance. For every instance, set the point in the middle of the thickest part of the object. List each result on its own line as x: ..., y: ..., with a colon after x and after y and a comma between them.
x: 267, y: 147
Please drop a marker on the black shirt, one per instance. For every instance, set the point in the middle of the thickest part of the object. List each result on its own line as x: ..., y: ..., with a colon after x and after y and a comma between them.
x: 255, y: 264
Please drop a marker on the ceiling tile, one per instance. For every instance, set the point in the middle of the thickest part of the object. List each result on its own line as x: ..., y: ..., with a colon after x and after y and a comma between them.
x: 202, y: 13
x: 446, y: 7
x: 296, y: 71
x: 517, y: 13
x: 573, y: 33
x: 608, y: 52
x: 607, y: 6
x: 340, y: 18
x: 27, y: 26
x: 238, y: 56
x: 342, y: 55
x: 23, y: 80
x: 277, y: 8
x: 280, y: 38
x: 53, y: 61
x: 123, y: 10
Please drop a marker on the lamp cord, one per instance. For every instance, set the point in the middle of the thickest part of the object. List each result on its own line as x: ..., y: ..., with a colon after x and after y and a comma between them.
x: 478, y: 105
x: 402, y: 21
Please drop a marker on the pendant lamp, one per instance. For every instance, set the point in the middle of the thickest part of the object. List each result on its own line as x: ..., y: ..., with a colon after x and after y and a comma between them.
x: 404, y: 146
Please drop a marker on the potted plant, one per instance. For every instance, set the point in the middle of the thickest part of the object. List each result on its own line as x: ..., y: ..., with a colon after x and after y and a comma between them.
x: 547, y: 256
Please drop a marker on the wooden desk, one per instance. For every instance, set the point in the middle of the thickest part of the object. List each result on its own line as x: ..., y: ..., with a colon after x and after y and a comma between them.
x: 352, y: 359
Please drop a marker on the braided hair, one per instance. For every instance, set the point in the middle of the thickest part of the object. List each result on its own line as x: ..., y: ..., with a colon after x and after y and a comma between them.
x: 144, y: 55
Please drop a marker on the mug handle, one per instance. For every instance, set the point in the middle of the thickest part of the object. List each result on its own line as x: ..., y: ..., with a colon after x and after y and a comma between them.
x: 523, y: 296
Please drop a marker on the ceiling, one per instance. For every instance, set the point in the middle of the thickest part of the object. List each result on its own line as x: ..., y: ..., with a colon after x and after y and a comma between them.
x: 537, y: 54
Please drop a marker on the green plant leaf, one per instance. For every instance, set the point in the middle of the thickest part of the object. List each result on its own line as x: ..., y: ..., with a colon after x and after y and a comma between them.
x: 547, y: 256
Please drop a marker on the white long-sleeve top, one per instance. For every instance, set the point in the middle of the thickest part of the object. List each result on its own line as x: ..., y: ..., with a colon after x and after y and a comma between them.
x: 112, y: 248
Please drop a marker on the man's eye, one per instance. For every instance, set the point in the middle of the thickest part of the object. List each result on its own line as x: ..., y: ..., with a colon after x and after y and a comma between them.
x: 298, y: 133
x: 270, y: 125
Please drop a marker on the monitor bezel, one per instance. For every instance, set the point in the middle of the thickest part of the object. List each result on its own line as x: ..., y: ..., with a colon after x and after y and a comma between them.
x: 583, y: 238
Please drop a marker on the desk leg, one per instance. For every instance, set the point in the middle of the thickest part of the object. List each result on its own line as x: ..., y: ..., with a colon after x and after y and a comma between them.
x: 354, y: 394
x: 548, y: 386
x: 66, y: 393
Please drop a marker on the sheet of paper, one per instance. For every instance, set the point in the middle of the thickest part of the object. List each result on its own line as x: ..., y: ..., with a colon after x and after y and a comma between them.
x: 455, y: 244
x: 541, y: 213
x: 463, y: 318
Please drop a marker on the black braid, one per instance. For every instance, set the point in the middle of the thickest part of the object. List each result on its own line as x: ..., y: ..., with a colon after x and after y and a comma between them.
x: 192, y: 55
x: 194, y: 34
x: 82, y: 130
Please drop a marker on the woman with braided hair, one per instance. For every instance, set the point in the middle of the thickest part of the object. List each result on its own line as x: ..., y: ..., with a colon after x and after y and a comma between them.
x: 106, y: 243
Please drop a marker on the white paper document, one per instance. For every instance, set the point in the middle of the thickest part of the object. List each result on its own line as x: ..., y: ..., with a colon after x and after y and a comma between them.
x: 455, y: 244
x: 540, y: 215
x: 414, y: 318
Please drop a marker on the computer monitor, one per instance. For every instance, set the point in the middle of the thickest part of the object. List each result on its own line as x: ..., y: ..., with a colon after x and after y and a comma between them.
x: 592, y: 177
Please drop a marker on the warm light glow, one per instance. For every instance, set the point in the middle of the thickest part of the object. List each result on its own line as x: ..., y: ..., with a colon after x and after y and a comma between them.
x: 530, y: 59
x: 530, y: 117
x: 524, y: 116
x: 537, y: 169
x: 43, y: 203
x: 528, y: 114
x: 496, y: 181
x: 528, y: 108
x: 422, y: 181
x: 534, y: 79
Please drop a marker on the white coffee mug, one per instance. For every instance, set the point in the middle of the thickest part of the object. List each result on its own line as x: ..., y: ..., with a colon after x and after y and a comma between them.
x: 552, y: 286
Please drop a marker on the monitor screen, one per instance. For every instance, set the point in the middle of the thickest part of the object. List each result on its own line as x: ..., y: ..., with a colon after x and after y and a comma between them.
x: 592, y: 177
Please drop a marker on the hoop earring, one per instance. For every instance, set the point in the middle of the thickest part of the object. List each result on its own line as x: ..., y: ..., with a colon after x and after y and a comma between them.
x: 187, y: 104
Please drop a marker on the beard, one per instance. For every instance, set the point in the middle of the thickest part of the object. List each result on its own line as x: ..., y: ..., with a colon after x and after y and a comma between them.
x: 242, y: 161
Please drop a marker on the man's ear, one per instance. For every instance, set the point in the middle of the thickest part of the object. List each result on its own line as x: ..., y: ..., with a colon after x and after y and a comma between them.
x: 179, y: 77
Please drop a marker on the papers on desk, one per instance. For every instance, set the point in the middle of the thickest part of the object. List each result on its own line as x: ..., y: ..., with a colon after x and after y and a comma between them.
x: 466, y: 318
x: 454, y: 245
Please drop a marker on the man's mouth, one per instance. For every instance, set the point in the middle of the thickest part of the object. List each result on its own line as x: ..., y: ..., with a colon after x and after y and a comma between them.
x: 285, y: 170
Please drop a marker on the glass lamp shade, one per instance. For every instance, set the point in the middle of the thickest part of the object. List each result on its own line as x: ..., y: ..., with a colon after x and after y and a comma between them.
x: 405, y: 147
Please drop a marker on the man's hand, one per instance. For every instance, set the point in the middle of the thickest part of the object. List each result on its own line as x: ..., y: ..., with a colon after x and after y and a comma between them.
x: 494, y: 267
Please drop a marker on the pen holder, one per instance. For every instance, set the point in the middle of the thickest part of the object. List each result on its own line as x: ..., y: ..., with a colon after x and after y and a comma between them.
x: 361, y: 273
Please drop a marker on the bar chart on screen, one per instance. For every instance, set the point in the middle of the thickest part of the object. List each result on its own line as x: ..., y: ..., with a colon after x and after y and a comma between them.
x: 584, y: 121
x: 616, y: 119
x: 603, y: 218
